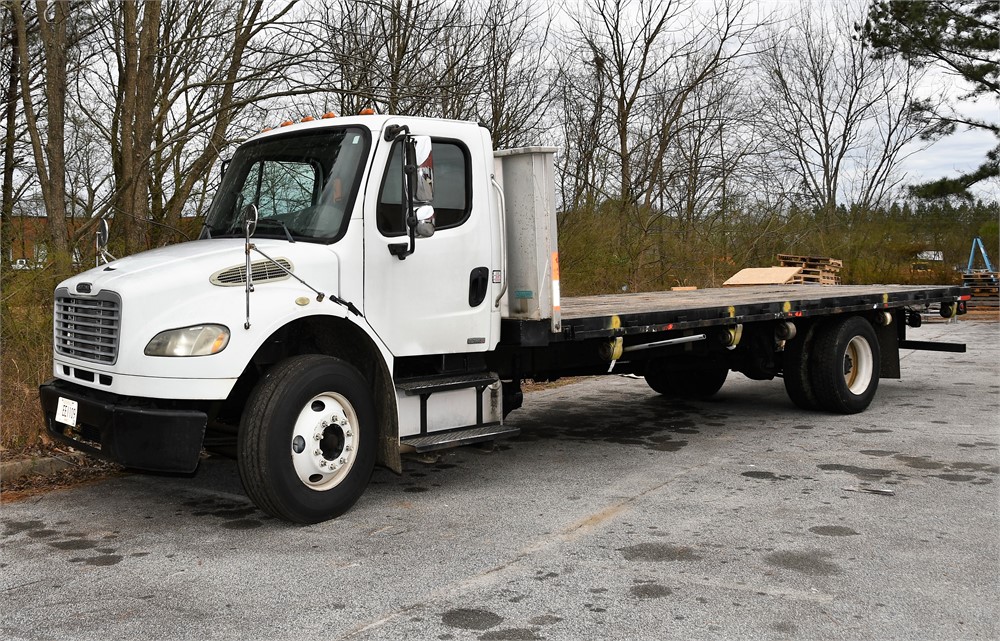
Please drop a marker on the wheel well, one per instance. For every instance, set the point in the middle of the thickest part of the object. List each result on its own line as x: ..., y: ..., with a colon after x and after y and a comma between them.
x: 342, y: 339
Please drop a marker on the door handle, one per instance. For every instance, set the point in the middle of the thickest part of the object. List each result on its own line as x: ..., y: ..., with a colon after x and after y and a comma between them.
x: 479, y: 282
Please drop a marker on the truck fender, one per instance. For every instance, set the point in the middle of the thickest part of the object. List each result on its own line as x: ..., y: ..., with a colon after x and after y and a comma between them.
x: 345, y: 339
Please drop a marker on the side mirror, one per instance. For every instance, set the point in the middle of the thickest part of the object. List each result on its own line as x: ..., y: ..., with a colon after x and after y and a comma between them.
x: 418, y: 183
x: 425, y: 221
x: 101, y: 243
x: 419, y: 154
x: 249, y: 217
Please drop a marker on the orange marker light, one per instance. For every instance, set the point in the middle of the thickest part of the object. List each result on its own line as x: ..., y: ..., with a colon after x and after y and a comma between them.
x: 329, y: 114
x: 286, y: 123
x: 367, y: 111
x: 307, y: 119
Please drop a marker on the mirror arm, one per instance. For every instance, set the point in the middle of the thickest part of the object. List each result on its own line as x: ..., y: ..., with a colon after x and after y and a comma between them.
x: 402, y: 250
x: 417, y: 188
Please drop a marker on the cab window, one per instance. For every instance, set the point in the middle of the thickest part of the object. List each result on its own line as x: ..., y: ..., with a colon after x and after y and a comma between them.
x: 452, y: 192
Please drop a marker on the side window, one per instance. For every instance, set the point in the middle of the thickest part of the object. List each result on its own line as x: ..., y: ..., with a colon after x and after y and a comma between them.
x: 452, y: 193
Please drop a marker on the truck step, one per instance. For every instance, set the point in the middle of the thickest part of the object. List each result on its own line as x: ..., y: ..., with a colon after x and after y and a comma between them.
x: 431, y: 384
x: 460, y: 436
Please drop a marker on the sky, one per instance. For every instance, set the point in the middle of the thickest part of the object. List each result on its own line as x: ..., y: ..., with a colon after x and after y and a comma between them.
x: 962, y: 151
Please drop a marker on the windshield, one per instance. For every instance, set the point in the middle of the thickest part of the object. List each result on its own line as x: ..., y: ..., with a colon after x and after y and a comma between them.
x: 303, y: 185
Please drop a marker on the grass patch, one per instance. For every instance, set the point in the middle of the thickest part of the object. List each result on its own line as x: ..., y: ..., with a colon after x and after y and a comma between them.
x: 25, y: 353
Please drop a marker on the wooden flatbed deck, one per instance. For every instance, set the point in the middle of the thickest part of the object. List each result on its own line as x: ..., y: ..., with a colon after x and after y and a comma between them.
x: 625, y: 314
x: 800, y: 297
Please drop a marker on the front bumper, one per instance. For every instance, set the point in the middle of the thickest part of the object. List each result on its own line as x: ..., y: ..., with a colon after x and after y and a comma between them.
x: 133, y: 432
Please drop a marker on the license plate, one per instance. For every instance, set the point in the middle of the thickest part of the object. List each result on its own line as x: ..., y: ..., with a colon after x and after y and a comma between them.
x: 66, y: 411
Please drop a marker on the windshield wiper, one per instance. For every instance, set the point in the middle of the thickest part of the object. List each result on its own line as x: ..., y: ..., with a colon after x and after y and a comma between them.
x: 274, y: 221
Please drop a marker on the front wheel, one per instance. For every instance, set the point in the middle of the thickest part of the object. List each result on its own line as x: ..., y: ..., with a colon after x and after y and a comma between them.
x: 845, y: 365
x: 306, y: 446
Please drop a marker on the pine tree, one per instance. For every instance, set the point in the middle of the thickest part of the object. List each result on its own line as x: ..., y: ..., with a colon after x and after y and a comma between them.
x: 960, y: 36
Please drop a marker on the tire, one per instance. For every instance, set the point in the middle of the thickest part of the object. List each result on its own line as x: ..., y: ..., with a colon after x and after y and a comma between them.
x: 795, y: 370
x: 845, y: 365
x: 306, y: 446
x: 693, y: 383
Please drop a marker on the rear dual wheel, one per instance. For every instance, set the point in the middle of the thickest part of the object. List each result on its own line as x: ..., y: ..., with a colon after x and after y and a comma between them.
x: 796, y: 370
x: 834, y: 366
x: 687, y: 383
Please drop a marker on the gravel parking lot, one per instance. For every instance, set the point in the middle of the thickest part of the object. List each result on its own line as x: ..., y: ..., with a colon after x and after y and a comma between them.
x: 615, y: 515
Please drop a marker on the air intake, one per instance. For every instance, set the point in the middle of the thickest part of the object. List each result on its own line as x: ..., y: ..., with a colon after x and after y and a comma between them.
x: 262, y: 271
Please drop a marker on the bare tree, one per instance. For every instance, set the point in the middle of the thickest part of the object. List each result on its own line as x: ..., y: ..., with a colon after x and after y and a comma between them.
x: 9, y: 59
x: 512, y: 87
x: 55, y: 33
x: 393, y: 55
x: 646, y: 59
x: 468, y: 60
x: 171, y: 98
x: 136, y: 45
x: 839, y: 117
x: 240, y: 55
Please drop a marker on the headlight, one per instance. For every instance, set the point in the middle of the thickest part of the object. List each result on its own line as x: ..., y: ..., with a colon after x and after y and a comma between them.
x: 200, y: 340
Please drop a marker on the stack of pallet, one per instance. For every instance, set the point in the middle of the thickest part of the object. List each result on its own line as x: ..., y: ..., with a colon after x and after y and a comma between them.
x: 984, y: 287
x: 792, y: 270
x: 813, y: 269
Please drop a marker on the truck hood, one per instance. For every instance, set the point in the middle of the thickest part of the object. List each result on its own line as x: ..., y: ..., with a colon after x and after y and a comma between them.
x: 193, y: 263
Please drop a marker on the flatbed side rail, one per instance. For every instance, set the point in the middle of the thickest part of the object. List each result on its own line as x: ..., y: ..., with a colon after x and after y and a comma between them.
x: 634, y: 314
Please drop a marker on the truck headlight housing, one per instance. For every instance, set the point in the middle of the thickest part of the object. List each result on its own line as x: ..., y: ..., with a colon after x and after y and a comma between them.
x: 197, y: 340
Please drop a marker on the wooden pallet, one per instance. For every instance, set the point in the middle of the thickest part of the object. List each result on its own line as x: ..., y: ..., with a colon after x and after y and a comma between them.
x: 813, y: 270
x: 980, y: 279
x: 991, y: 303
x: 823, y: 279
x: 819, y: 262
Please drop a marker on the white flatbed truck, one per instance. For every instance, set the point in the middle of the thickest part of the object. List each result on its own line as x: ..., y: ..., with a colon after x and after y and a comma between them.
x: 371, y: 285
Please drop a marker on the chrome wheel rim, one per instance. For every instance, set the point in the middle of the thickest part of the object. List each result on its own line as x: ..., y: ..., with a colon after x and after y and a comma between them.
x: 324, y: 441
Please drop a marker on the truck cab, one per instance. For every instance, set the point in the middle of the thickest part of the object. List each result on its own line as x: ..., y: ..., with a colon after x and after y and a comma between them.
x: 343, y: 291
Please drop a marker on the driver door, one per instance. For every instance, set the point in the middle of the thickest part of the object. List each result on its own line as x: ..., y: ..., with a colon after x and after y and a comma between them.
x: 437, y: 300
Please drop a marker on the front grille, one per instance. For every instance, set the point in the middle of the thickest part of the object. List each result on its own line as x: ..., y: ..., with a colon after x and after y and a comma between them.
x: 87, y: 328
x: 262, y: 271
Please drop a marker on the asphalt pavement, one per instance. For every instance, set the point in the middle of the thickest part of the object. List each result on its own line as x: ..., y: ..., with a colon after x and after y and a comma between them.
x: 615, y: 515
